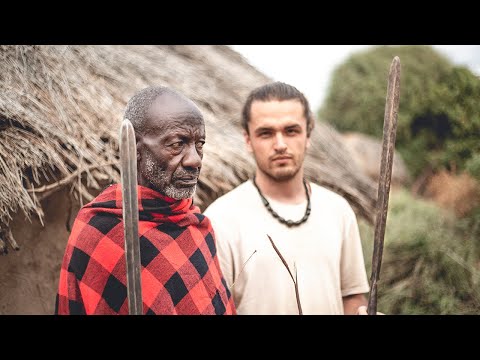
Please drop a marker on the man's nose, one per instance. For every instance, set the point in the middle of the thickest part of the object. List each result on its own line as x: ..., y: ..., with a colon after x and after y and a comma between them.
x: 280, y: 144
x: 192, y: 158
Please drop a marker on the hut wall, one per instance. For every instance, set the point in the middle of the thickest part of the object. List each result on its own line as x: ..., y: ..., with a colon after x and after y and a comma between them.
x: 29, y: 277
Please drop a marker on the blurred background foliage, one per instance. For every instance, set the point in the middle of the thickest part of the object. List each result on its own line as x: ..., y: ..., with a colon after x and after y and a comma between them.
x: 439, y: 114
x: 431, y: 262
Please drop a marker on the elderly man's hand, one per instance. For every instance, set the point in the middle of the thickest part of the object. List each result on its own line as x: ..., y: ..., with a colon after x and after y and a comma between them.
x: 362, y: 310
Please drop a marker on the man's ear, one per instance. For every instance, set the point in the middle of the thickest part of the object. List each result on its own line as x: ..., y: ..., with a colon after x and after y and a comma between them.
x: 247, y: 141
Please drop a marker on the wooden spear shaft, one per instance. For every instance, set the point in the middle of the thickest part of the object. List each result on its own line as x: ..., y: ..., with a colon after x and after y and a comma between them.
x: 128, y: 169
x: 388, y: 147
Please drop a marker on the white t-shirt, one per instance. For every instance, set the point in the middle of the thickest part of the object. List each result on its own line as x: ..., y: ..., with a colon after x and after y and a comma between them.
x: 326, y: 252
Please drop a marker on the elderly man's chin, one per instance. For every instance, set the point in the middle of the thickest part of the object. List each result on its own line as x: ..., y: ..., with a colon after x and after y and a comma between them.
x: 179, y: 193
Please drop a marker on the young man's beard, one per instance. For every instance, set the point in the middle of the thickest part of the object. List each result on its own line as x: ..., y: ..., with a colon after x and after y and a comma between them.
x: 162, y: 182
x: 280, y: 176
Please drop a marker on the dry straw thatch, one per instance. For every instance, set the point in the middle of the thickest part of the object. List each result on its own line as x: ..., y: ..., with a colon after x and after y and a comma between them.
x: 61, y: 107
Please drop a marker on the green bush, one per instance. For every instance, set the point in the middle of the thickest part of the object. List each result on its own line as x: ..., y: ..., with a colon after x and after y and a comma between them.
x: 430, y: 260
x: 439, y: 111
x: 472, y: 165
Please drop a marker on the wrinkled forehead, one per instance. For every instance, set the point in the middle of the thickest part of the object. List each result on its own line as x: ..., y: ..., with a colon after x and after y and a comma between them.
x: 169, y: 110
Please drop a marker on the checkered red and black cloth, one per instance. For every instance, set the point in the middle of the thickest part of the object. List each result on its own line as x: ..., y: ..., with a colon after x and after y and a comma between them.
x: 180, y: 269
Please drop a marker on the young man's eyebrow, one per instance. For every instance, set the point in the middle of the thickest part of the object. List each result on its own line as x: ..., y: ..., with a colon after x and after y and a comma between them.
x: 263, y: 128
x: 295, y: 126
x: 269, y: 128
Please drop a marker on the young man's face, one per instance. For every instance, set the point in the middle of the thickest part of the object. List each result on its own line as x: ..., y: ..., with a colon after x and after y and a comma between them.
x: 170, y: 152
x: 278, y: 137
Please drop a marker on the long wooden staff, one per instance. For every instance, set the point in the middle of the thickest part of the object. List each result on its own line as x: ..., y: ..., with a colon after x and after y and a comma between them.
x: 389, y: 134
x: 128, y: 169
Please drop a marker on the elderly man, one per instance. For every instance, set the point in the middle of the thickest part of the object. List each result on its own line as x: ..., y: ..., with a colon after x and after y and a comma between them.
x: 180, y: 272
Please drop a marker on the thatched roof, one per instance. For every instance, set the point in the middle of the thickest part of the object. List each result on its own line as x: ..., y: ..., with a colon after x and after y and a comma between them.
x: 366, y: 151
x: 61, y: 107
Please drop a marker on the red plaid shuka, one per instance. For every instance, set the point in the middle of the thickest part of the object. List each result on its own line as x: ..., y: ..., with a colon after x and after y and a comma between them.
x: 180, y: 269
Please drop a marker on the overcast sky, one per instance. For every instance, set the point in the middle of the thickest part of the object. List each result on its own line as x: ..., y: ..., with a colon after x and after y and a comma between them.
x: 308, y: 67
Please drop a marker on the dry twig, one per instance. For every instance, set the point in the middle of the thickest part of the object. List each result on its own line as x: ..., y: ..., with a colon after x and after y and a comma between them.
x: 295, y: 282
x: 241, y: 271
x: 67, y: 179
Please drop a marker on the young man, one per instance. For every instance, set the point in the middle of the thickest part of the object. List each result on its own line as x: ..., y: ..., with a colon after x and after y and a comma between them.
x: 180, y: 273
x: 287, y: 246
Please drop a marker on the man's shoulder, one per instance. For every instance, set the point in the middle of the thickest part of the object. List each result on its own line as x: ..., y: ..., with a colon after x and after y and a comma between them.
x: 101, y: 214
x: 328, y: 197
x: 231, y: 199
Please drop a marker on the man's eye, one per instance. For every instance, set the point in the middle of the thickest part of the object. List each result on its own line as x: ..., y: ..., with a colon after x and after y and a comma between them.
x: 200, y: 144
x: 177, y: 145
x: 264, y: 134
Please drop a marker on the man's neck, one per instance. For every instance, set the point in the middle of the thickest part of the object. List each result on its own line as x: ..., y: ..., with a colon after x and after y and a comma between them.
x: 289, y: 191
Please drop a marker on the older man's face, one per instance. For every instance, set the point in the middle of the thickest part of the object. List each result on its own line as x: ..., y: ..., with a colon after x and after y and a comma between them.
x: 171, y: 150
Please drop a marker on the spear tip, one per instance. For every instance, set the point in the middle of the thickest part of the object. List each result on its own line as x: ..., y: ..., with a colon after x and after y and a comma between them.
x: 395, y: 63
x: 126, y: 123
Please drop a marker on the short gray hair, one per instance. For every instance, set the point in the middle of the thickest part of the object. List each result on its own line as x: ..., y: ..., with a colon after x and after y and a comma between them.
x: 139, y: 104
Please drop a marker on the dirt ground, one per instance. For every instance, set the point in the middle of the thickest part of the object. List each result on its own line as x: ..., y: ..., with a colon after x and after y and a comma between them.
x: 29, y: 277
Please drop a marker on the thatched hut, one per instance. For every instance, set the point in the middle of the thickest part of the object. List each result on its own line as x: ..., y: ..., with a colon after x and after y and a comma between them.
x: 60, y: 111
